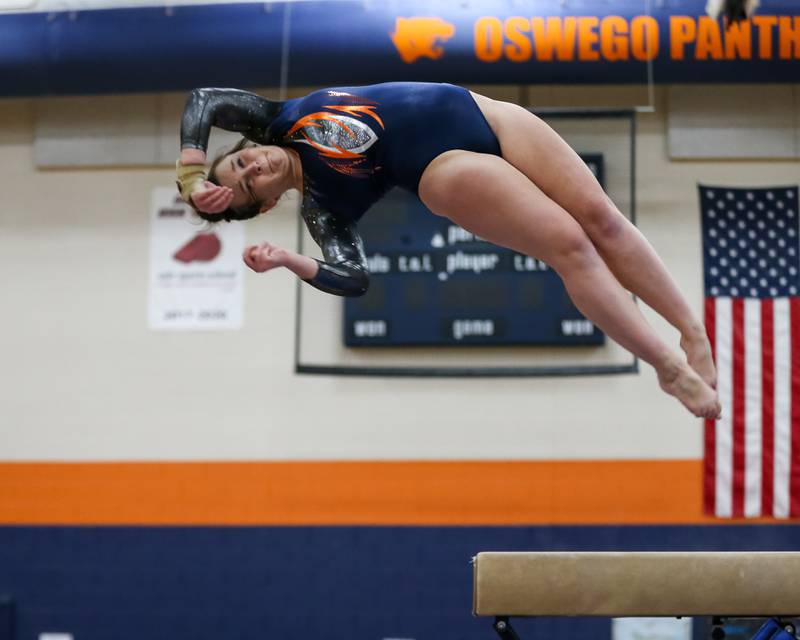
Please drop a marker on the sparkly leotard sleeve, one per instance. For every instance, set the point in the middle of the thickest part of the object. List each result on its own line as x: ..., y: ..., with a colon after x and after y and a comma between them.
x: 344, y: 271
x: 229, y: 109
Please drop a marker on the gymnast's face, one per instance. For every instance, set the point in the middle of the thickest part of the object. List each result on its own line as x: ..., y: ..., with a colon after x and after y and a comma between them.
x: 256, y: 174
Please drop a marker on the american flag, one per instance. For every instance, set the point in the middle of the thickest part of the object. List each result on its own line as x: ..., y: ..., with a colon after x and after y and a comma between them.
x: 751, y: 256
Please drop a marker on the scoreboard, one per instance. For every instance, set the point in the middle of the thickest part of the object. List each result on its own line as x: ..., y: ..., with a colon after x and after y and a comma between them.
x: 433, y: 283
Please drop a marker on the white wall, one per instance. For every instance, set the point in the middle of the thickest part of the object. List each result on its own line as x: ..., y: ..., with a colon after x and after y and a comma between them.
x: 82, y: 378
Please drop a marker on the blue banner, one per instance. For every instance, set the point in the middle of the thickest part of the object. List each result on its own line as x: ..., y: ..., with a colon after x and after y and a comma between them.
x: 349, y: 43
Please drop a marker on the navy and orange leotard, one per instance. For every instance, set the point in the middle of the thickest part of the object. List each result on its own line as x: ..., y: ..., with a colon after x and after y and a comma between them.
x: 354, y: 143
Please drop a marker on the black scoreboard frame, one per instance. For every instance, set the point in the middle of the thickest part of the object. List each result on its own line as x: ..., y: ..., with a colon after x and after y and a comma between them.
x: 487, y: 372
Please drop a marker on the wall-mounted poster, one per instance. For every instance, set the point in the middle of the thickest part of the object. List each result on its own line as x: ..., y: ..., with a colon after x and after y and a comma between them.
x: 196, y: 269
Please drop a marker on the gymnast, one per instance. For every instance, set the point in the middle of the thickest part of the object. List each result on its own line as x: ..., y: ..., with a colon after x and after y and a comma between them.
x: 491, y: 167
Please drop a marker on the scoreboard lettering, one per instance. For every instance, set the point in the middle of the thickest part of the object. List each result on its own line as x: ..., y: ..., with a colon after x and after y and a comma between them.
x: 526, y: 263
x: 421, y: 263
x: 474, y: 262
x: 472, y: 328
x: 370, y: 328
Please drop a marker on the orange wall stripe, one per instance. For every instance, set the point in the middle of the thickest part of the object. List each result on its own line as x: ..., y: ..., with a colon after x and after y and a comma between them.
x: 353, y: 493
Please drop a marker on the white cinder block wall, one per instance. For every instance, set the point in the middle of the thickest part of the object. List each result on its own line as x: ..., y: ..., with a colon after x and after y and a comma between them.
x: 82, y: 377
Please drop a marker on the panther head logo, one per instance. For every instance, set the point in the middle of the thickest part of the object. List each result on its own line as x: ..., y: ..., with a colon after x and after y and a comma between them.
x: 415, y: 38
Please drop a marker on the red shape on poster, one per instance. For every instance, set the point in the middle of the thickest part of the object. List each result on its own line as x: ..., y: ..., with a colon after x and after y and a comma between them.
x: 204, y: 247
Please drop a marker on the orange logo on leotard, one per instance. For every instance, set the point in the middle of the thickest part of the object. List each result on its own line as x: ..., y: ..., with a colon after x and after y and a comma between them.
x: 341, y: 139
x: 416, y: 38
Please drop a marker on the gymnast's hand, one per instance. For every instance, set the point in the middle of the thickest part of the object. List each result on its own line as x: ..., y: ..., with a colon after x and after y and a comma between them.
x: 265, y: 256
x: 212, y: 198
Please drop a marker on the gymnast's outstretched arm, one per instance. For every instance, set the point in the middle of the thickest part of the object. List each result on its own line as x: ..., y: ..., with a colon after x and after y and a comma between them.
x: 229, y: 109
x: 344, y: 270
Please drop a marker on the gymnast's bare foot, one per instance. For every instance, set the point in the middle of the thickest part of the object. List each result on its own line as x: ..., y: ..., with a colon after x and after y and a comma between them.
x: 678, y: 379
x: 698, y: 352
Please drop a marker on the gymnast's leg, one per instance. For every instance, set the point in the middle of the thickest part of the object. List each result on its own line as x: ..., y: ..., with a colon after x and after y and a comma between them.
x: 544, y: 157
x: 489, y: 197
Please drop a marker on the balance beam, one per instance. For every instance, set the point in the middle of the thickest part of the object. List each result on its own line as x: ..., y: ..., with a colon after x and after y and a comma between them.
x: 618, y: 585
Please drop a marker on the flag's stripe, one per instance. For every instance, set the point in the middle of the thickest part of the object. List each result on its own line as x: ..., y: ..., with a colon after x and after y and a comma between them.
x: 767, y: 406
x: 724, y: 450
x: 782, y: 342
x: 752, y: 407
x: 794, y: 482
x: 709, y: 459
x: 737, y: 308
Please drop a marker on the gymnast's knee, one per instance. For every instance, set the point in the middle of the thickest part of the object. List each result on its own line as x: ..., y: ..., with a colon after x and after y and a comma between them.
x: 601, y: 218
x: 571, y: 251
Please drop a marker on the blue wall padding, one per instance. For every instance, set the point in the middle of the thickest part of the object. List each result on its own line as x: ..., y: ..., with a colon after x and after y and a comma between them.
x: 325, y: 583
